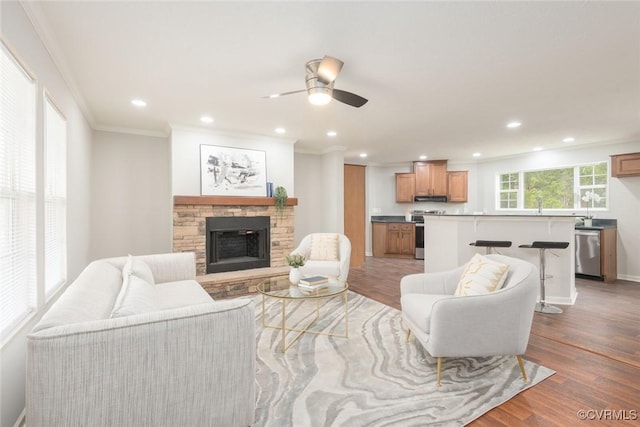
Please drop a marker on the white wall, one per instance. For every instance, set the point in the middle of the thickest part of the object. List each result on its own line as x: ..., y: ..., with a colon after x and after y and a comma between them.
x: 319, y: 180
x: 185, y: 157
x: 22, y: 38
x: 131, y: 195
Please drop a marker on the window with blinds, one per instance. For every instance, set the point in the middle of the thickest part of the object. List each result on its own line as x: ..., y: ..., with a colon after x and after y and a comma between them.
x: 55, y: 198
x: 17, y: 194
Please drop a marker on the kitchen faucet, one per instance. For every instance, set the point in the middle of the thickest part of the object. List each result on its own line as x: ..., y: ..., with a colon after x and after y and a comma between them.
x: 539, y: 205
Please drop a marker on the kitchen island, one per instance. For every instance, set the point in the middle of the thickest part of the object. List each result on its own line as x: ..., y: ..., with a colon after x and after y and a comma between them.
x: 447, y: 238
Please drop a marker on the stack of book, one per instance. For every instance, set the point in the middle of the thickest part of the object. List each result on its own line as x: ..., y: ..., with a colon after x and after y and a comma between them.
x: 314, y: 284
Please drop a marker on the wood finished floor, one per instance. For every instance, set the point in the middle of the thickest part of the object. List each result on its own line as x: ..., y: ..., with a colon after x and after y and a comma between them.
x: 594, y: 347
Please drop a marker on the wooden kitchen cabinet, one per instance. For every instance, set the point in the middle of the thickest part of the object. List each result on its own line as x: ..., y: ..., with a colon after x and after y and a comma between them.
x: 401, y: 238
x: 405, y: 187
x: 457, y: 184
x: 608, y: 254
x: 625, y: 165
x: 431, y: 178
x: 393, y: 239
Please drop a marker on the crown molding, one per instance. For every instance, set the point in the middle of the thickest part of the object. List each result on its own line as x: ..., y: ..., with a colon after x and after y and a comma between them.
x: 130, y: 131
x: 230, y: 133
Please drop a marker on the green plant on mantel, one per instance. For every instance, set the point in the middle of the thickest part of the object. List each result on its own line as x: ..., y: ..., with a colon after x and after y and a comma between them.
x: 280, y: 196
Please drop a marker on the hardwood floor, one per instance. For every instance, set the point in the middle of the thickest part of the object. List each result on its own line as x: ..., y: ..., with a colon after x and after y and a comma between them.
x: 594, y: 347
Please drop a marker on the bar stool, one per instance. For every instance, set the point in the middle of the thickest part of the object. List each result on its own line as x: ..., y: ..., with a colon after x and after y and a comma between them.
x: 542, y: 306
x: 491, y: 244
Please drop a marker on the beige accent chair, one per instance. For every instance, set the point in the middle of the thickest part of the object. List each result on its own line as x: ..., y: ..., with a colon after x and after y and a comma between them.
x: 497, y: 323
x: 338, y: 269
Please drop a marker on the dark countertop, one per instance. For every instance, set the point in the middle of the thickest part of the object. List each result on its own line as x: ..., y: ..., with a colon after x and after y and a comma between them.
x: 598, y: 224
x: 390, y: 218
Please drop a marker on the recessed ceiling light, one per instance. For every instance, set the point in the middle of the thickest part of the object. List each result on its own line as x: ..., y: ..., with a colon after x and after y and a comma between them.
x: 332, y: 133
x: 514, y: 125
x: 138, y: 102
x: 206, y: 119
x: 423, y: 157
x: 476, y: 154
x: 363, y: 155
x: 569, y: 139
x: 275, y: 95
x: 280, y: 130
x: 537, y: 149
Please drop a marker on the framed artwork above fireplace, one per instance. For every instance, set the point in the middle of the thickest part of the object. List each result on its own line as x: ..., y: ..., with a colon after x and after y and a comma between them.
x: 227, y: 171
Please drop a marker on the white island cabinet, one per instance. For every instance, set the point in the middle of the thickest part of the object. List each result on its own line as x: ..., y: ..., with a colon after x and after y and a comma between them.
x: 447, y: 238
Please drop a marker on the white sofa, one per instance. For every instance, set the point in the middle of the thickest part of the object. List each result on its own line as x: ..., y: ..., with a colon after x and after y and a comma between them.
x: 190, y: 362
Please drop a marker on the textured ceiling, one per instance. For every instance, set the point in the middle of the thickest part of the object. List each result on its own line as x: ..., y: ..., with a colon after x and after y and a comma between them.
x: 442, y: 78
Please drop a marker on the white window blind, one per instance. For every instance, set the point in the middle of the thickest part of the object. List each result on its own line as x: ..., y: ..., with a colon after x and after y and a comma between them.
x: 17, y: 194
x: 55, y: 198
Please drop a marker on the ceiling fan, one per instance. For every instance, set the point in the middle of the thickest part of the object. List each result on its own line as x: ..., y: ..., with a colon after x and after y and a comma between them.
x: 321, y: 75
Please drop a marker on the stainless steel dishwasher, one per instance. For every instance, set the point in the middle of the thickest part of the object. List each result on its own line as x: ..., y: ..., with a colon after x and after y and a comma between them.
x: 588, y: 252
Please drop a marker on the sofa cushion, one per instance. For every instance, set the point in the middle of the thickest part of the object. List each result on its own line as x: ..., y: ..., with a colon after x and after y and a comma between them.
x: 418, y: 307
x: 90, y: 297
x: 182, y: 293
x: 136, y: 296
x: 320, y: 268
x: 324, y: 247
x: 481, y: 276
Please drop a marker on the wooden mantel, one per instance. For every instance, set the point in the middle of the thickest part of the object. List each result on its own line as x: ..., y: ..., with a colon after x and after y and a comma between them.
x: 230, y: 201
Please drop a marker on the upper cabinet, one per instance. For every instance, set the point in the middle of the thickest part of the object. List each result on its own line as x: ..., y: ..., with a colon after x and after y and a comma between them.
x: 431, y: 178
x: 405, y: 187
x: 625, y: 165
x: 457, y: 186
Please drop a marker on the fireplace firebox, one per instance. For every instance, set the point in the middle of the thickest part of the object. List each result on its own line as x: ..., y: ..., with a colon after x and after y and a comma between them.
x: 237, y: 243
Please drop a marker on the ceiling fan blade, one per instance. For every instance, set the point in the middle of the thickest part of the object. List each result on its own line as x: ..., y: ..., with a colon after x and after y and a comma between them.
x: 329, y: 68
x: 277, y: 95
x: 349, y: 98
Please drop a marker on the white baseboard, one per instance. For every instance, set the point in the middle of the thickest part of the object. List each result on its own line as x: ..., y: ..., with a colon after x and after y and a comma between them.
x: 629, y: 277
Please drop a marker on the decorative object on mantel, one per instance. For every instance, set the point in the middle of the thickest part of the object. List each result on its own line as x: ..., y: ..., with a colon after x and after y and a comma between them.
x: 295, y: 261
x: 280, y: 196
x: 590, y: 197
x: 226, y: 171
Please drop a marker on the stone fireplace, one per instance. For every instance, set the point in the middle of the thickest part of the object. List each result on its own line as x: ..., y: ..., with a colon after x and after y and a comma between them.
x: 237, y: 243
x: 190, y: 215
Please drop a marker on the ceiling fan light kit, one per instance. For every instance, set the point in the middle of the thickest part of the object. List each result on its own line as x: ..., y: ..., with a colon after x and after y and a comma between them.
x: 321, y: 75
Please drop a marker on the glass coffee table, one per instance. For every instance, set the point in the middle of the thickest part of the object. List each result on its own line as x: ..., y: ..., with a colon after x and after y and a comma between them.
x: 282, y: 289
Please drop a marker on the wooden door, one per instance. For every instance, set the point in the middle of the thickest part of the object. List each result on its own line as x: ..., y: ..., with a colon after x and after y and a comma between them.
x: 355, y: 212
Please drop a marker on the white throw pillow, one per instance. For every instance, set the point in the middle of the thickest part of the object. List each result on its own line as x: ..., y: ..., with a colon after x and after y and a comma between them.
x: 481, y: 276
x: 138, y: 267
x: 324, y: 247
x: 136, y: 296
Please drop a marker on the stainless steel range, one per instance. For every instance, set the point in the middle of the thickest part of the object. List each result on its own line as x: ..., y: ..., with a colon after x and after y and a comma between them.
x: 417, y: 216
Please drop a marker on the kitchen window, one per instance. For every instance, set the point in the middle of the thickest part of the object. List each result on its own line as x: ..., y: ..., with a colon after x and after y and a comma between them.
x: 562, y: 188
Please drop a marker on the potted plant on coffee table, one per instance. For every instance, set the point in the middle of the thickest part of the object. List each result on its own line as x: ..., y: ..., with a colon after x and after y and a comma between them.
x: 295, y: 261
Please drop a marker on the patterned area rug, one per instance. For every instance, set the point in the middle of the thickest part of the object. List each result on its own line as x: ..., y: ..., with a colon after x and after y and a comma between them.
x: 374, y: 377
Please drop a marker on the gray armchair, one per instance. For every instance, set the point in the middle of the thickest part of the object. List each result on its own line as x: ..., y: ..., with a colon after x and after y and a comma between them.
x: 497, y: 323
